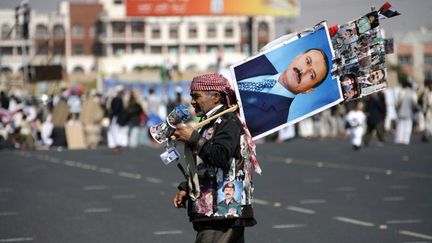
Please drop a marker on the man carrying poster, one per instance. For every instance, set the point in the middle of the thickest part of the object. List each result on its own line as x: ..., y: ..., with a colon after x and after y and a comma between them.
x: 287, y: 83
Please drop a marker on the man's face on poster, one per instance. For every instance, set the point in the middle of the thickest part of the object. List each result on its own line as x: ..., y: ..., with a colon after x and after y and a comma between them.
x: 376, y: 76
x: 229, y: 193
x: 304, y: 72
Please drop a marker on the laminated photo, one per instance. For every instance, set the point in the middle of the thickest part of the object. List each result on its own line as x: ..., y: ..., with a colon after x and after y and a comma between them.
x: 287, y: 83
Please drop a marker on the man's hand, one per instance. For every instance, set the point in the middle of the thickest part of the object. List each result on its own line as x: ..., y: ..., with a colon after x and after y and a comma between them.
x: 180, y: 199
x: 183, y: 132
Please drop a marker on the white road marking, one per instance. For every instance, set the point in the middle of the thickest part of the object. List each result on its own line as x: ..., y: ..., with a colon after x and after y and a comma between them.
x: 17, y: 239
x: 97, y: 210
x: 404, y: 221
x: 153, y: 180
x: 416, y: 242
x: 399, y: 187
x: 354, y: 221
x: 129, y: 175
x: 106, y: 170
x: 312, y: 180
x: 95, y: 187
x: 260, y: 201
x: 393, y: 199
x: 288, y: 226
x: 169, y: 232
x: 415, y: 234
x: 8, y: 213
x: 70, y: 163
x: 123, y: 196
x: 54, y: 160
x: 345, y: 189
x: 312, y: 201
x: 300, y: 210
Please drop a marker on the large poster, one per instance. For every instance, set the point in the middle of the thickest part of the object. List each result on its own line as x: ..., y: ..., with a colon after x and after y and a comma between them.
x: 287, y: 82
x: 211, y: 7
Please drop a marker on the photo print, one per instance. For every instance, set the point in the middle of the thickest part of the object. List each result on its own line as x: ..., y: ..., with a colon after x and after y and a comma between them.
x: 287, y: 83
x: 229, y: 199
x: 359, y: 65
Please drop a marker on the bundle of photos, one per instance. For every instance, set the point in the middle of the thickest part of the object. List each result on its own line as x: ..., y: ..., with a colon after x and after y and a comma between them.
x: 360, y: 57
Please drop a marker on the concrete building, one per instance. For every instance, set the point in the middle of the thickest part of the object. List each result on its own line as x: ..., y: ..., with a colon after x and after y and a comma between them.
x: 98, y: 38
x: 413, y: 52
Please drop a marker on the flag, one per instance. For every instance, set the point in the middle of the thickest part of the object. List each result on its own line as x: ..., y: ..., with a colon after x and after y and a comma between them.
x: 333, y: 30
x: 387, y: 10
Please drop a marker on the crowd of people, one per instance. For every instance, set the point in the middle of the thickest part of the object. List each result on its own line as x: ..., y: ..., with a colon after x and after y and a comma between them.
x: 120, y: 118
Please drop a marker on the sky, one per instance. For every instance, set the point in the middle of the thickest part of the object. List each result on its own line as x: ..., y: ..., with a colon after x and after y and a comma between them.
x: 415, y: 13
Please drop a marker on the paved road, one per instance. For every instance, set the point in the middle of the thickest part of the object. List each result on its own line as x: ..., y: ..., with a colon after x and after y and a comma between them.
x: 310, y: 191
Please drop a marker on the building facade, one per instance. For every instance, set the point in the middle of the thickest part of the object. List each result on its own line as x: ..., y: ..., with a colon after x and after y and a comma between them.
x: 99, y: 38
x: 413, y: 53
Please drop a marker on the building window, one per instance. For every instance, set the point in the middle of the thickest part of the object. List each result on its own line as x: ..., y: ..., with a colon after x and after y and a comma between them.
x: 155, y: 32
x: 229, y: 31
x: 119, y: 49
x: 58, y: 32
x: 118, y: 28
x: 428, y: 59
x: 5, y: 32
x: 211, y: 30
x: 77, y: 31
x: 137, y: 48
x: 156, y: 49
x: 78, y: 49
x: 6, y: 51
x: 428, y: 76
x: 173, y: 31
x: 192, y: 30
x: 41, y: 32
x: 42, y: 49
x: 6, y: 70
x: 229, y: 48
x: 97, y: 49
x: 211, y: 49
x: 173, y: 49
x: 405, y: 59
x: 192, y: 49
x: 244, y: 28
x: 137, y: 28
x: 59, y: 50
x: 263, y: 30
x: 78, y: 69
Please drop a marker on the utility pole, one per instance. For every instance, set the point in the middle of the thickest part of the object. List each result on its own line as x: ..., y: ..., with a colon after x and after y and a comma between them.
x: 24, y: 10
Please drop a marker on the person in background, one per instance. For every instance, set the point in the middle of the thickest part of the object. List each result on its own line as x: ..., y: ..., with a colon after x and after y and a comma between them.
x: 134, y: 111
x: 426, y: 106
x: 355, y: 124
x: 376, y: 113
x: 91, y: 117
x: 407, y: 103
x: 118, y: 129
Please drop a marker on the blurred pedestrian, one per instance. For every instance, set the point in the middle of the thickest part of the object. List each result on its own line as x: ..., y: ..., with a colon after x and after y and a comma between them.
x: 407, y: 105
x: 355, y: 124
x: 375, y: 113
x: 118, y: 129
x: 426, y: 106
x: 135, y: 112
x: 91, y: 117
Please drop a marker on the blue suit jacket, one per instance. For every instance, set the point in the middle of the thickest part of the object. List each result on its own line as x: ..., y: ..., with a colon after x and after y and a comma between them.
x: 256, y: 67
x: 262, y: 111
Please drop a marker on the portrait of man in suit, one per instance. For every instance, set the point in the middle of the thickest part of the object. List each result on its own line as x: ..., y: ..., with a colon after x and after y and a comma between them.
x: 269, y: 84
